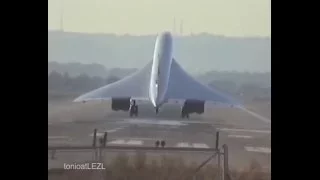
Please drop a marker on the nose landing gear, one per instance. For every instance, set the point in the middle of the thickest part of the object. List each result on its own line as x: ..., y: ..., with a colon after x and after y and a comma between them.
x: 157, y: 110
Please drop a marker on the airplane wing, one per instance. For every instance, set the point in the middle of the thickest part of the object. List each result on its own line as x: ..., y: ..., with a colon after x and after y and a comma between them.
x: 135, y: 86
x: 182, y: 86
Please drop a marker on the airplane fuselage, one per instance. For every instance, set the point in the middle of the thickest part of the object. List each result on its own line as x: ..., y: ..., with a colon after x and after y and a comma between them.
x: 161, y: 64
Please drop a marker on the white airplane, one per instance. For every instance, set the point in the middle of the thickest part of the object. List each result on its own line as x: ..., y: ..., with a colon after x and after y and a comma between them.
x: 161, y: 81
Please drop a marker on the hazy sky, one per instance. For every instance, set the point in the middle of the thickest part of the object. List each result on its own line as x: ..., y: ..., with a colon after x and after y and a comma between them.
x: 223, y: 17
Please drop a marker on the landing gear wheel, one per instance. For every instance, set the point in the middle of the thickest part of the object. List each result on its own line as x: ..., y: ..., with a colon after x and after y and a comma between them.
x: 134, y: 110
x: 183, y: 115
x: 131, y: 113
x: 157, y: 110
x: 157, y: 143
x: 163, y: 143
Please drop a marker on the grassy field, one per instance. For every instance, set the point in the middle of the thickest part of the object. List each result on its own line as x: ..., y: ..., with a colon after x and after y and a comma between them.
x: 167, y: 168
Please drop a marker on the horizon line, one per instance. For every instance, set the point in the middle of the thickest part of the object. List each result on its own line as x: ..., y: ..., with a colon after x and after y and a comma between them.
x: 115, y: 67
x: 155, y: 34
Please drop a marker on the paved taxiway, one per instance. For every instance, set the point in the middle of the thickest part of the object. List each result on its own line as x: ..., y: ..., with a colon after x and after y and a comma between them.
x: 248, y: 138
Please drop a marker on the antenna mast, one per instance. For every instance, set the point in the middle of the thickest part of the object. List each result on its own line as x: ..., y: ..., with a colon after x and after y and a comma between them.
x: 61, y: 16
x: 174, y: 25
x: 181, y: 27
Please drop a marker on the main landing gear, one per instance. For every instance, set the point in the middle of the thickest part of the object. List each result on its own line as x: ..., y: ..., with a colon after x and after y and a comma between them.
x: 184, y: 113
x: 134, y: 109
x: 162, y: 143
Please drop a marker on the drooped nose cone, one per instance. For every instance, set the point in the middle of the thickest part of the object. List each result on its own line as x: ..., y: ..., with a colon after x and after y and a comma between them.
x: 166, y: 35
x: 164, y: 41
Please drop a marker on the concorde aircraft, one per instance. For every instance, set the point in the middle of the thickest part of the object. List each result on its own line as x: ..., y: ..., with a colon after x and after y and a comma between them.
x: 161, y: 81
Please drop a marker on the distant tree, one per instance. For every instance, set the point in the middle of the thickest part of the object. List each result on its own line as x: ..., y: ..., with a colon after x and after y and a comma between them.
x: 55, y: 80
x: 228, y: 86
x: 81, y: 82
x: 66, y: 75
x: 66, y: 81
x: 250, y: 90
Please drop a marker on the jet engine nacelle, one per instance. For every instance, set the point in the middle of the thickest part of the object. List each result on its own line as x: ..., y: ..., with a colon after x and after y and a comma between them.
x: 120, y: 104
x: 193, y: 106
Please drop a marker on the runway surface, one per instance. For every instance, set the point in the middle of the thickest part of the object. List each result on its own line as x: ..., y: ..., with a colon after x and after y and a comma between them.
x: 248, y: 137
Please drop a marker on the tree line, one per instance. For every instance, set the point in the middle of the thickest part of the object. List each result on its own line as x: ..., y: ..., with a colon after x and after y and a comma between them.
x: 58, y: 82
x: 61, y: 83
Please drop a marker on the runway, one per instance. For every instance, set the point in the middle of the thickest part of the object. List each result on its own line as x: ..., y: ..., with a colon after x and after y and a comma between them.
x: 248, y: 138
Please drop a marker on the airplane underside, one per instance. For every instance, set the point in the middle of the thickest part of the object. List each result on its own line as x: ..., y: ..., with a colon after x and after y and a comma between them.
x: 125, y: 104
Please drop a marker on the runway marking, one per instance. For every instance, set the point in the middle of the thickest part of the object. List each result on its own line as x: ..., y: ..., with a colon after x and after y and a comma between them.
x: 245, y: 130
x: 258, y: 149
x: 196, y: 122
x: 119, y: 141
x: 111, y: 130
x: 108, y: 131
x: 124, y: 142
x: 98, y: 134
x: 239, y: 136
x: 200, y: 145
x: 139, y: 138
x: 58, y: 137
x: 134, y: 142
x: 155, y: 122
x: 183, y: 144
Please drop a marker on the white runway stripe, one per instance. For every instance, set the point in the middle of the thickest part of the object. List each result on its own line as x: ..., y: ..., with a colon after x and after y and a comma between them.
x: 98, y: 134
x: 140, y: 138
x: 134, y: 142
x: 57, y: 137
x: 107, y: 130
x: 245, y: 130
x: 194, y: 145
x: 111, y: 130
x: 124, y: 142
x: 200, y: 145
x: 258, y: 149
x: 183, y: 144
x: 239, y: 136
x: 119, y: 141
x: 154, y: 122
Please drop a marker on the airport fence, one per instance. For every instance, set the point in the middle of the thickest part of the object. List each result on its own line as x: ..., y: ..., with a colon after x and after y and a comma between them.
x: 99, y: 153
